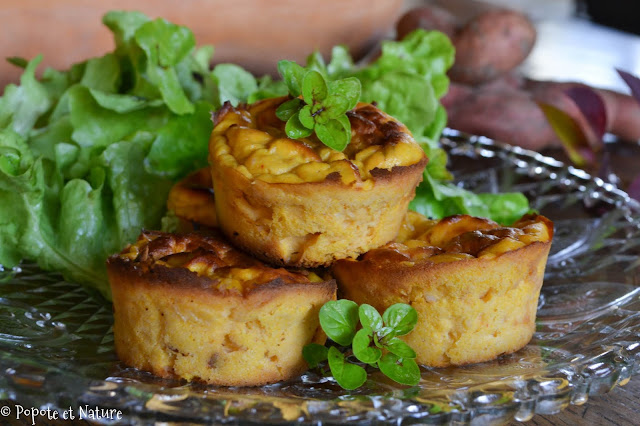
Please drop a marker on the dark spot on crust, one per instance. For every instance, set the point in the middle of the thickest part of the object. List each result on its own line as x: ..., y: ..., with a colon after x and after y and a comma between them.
x: 218, y: 115
x: 370, y: 126
x: 333, y: 177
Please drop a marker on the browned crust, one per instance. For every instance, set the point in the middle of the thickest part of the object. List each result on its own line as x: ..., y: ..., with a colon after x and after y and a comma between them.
x: 398, y: 175
x: 218, y: 116
x: 369, y: 125
x: 457, y: 226
x: 183, y: 281
x: 146, y: 272
x: 395, y: 278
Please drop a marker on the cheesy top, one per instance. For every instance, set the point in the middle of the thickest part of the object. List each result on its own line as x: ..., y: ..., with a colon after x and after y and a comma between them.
x: 459, y: 237
x: 252, y: 140
x: 210, y: 256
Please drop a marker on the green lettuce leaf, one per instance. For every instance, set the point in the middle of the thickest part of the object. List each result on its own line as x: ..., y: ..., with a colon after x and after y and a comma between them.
x: 407, y: 81
x: 437, y: 199
x: 88, y: 155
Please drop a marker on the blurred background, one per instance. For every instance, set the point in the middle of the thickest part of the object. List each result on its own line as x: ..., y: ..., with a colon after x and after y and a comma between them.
x: 255, y: 34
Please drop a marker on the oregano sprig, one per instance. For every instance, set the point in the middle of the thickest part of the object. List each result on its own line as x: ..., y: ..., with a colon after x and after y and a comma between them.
x: 317, y: 105
x: 376, y: 343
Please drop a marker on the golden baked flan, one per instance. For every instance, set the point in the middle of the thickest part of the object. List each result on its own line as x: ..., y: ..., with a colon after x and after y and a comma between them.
x: 191, y: 200
x: 475, y: 284
x: 300, y: 203
x: 192, y: 307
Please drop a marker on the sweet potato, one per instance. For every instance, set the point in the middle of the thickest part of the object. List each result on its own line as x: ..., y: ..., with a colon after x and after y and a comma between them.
x: 506, y: 114
x: 490, y: 44
x: 427, y: 18
x: 507, y: 109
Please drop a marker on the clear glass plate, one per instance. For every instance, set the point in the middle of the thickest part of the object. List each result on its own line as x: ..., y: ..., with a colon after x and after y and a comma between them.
x: 56, y: 342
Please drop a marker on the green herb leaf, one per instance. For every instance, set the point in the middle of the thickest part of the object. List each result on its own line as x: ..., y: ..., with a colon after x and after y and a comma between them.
x: 292, y: 74
x: 295, y: 129
x: 314, y: 354
x: 369, y: 317
x: 400, y: 348
x: 336, y: 133
x: 404, y: 371
x: 339, y: 319
x: 314, y: 88
x: 401, y: 317
x: 383, y: 333
x: 286, y: 109
x: 326, y: 103
x: 378, y: 347
x: 306, y: 118
x: 349, y: 376
x: 362, y: 348
x: 344, y: 96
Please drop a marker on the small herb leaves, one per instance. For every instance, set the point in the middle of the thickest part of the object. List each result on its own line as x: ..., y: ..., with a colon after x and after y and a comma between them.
x: 323, y: 105
x: 339, y: 320
x: 375, y: 344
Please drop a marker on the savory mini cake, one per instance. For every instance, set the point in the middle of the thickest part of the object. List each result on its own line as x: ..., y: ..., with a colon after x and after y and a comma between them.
x: 300, y: 203
x: 192, y: 201
x: 192, y: 307
x: 474, y: 284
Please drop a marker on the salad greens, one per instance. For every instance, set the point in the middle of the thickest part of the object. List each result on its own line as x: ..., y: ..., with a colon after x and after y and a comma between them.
x: 376, y: 343
x: 88, y: 155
